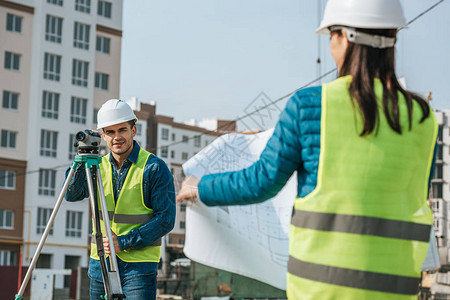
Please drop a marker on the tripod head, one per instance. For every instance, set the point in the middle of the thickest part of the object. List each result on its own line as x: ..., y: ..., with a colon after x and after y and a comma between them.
x: 88, y: 142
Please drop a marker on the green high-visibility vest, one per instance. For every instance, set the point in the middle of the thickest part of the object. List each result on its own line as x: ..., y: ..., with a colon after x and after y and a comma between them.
x: 130, y: 211
x: 363, y: 232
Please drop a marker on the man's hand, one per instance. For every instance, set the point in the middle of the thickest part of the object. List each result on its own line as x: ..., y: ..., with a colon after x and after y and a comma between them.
x: 106, y: 244
x: 189, y: 189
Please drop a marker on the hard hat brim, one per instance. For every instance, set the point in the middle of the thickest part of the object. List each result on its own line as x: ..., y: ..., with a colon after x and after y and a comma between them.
x: 115, y: 122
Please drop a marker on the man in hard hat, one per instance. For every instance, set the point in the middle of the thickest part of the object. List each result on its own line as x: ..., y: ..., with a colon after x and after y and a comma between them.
x: 139, y: 191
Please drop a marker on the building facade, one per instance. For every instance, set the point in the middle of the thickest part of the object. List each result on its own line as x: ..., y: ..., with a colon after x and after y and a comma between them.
x: 60, y: 60
x: 440, y: 187
x: 15, y: 75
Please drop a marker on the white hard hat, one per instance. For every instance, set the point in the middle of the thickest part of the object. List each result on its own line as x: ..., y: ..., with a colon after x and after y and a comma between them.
x: 368, y: 14
x: 114, y: 112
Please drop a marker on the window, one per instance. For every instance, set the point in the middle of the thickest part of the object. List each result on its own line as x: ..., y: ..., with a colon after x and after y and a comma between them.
x: 52, y: 66
x: 436, y: 188
x: 56, y: 2
x: 72, y: 148
x: 440, y: 153
x: 7, y: 258
x: 73, y: 223
x: 438, y: 171
x: 184, y: 156
x: 70, y: 262
x: 172, y: 171
x: 172, y: 154
x: 50, y: 105
x: 164, y: 151
x: 435, y: 205
x: 183, y: 207
x: 49, y: 140
x: 173, y: 136
x: 95, y: 116
x: 47, y: 182
x: 13, y: 23
x: 436, y: 224
x: 101, y: 81
x: 83, y: 6
x: 6, y: 219
x: 10, y: 100
x: 185, y: 139
x: 53, y: 29
x: 181, y: 241
x: 7, y: 180
x: 78, y: 110
x: 206, y: 143
x: 439, y: 136
x: 8, y: 139
x: 81, y: 36
x: 165, y: 134
x: 138, y: 129
x: 182, y: 225
x: 80, y: 72
x: 197, y: 141
x: 42, y: 220
x: 44, y: 261
x: 103, y: 44
x: 12, y: 61
x: 104, y: 9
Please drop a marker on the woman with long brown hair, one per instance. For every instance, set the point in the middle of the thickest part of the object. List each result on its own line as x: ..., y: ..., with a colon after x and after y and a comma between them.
x: 362, y: 147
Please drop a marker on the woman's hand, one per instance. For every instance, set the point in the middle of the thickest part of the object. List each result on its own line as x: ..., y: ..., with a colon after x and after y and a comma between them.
x: 189, y: 189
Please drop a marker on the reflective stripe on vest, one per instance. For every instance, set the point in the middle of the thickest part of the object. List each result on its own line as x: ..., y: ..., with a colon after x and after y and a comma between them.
x: 354, y: 278
x: 361, y: 225
x: 363, y: 232
x: 129, y: 212
x: 130, y: 219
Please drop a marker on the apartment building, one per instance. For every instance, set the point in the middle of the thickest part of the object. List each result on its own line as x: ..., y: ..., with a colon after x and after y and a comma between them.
x: 15, y: 74
x: 440, y: 187
x: 59, y: 61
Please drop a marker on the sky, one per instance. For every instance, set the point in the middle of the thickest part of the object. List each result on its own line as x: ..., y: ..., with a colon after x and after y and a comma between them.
x: 222, y: 59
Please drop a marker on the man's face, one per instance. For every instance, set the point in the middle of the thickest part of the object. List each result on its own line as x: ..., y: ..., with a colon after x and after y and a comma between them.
x: 119, y: 138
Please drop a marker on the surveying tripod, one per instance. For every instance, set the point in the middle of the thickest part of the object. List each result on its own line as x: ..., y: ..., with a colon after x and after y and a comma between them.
x: 88, y: 145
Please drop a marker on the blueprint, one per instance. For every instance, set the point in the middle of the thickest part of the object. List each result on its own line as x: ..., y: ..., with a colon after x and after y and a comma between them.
x: 250, y: 240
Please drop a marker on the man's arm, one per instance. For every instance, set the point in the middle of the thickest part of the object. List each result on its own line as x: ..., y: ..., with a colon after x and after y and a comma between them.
x: 162, y: 201
x: 78, y: 189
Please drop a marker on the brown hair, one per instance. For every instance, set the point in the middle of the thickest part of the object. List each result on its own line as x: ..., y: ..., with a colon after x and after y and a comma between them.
x: 364, y: 64
x: 132, y: 123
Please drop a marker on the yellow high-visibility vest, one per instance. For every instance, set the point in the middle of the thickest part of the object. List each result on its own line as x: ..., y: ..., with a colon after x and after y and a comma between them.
x: 130, y: 211
x: 363, y: 232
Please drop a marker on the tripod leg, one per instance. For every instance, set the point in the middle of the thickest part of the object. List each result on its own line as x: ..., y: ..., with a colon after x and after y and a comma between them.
x: 98, y: 232
x: 112, y: 257
x: 45, y: 234
x: 116, y: 286
x: 111, y: 279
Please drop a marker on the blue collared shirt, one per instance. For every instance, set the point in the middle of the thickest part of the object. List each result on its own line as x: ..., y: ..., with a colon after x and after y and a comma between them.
x: 159, y: 194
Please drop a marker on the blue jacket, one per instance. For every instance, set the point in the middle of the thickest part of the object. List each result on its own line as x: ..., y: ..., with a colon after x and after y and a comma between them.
x: 294, y: 146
